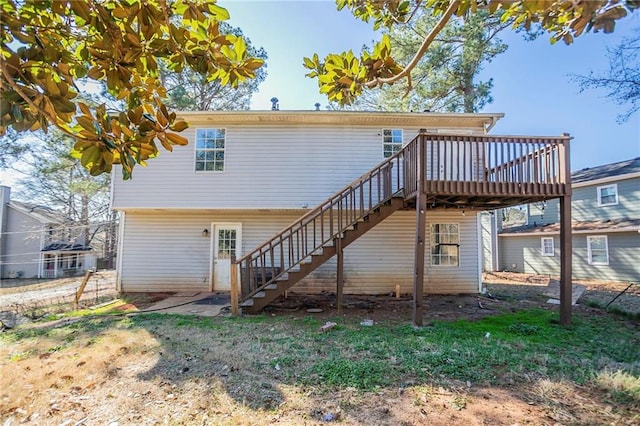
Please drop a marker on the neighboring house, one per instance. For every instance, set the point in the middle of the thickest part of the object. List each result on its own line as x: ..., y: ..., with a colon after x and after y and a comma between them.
x: 35, y: 242
x: 606, y: 228
x: 318, y: 180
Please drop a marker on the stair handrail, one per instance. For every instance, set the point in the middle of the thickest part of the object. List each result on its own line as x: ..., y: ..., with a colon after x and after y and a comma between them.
x: 384, y: 169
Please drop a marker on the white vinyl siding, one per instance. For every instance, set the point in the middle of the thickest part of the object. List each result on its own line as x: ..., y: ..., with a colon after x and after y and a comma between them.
x: 22, y: 245
x: 608, y: 195
x: 546, y: 244
x: 598, y: 250
x: 167, y: 252
x: 209, y: 147
x: 391, y: 142
x: 267, y: 167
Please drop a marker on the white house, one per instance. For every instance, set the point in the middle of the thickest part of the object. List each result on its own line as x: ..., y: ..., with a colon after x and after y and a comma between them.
x: 35, y: 242
x: 247, y: 176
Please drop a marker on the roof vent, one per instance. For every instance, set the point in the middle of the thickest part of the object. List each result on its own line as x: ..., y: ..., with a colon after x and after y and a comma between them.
x: 317, y: 105
x: 274, y: 104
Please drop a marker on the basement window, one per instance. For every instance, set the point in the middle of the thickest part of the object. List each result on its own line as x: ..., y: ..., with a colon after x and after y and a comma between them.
x: 547, y: 246
x: 445, y: 244
x: 598, y: 250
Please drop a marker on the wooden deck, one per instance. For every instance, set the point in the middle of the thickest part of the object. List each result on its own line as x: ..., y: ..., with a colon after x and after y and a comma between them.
x: 433, y: 171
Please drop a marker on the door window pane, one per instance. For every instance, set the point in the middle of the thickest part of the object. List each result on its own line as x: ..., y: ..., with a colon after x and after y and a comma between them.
x: 226, y: 243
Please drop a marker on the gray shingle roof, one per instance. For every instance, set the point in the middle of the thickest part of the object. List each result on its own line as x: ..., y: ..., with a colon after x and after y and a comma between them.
x: 607, y: 170
x: 41, y: 213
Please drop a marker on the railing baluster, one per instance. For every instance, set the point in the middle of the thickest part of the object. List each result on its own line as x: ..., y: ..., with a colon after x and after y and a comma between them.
x: 272, y: 260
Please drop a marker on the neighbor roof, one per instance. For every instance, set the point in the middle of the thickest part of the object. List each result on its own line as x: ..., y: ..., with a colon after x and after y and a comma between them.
x: 40, y: 213
x: 607, y: 170
x: 582, y: 227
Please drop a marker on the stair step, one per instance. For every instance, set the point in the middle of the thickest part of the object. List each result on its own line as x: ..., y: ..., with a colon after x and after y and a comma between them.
x: 346, y: 236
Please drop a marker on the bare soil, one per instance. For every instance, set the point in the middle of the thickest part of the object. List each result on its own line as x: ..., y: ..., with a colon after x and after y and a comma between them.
x: 132, y: 376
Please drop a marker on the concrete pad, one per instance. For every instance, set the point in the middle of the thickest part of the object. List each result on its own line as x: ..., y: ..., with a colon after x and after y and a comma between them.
x: 203, y: 304
x: 554, y: 292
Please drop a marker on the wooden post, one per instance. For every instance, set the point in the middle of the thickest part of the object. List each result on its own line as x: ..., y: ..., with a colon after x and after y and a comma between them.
x: 565, y: 260
x: 85, y: 280
x: 233, y: 274
x: 566, y: 246
x: 418, y: 273
x: 421, y: 209
x: 339, y: 274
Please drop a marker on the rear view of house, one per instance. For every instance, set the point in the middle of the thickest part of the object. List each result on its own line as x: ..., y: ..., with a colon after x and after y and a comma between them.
x: 309, y: 200
x: 606, y: 228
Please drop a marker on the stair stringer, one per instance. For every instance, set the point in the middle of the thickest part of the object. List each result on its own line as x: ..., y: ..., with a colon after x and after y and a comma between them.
x: 270, y: 291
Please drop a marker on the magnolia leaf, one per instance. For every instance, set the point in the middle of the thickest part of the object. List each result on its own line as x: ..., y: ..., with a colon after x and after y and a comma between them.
x: 176, y: 139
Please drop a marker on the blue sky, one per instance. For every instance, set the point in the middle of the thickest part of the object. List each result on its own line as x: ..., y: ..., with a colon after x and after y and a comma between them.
x: 532, y: 83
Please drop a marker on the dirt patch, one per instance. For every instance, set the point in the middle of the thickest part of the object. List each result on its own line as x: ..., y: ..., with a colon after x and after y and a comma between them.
x: 598, y: 293
x: 87, y: 372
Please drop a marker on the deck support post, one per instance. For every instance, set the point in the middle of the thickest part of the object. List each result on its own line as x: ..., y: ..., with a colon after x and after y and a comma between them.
x: 339, y: 274
x: 421, y: 225
x: 566, y: 249
x: 418, y: 272
x: 566, y: 246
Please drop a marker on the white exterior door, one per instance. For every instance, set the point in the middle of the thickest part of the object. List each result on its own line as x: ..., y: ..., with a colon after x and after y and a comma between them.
x: 227, y: 240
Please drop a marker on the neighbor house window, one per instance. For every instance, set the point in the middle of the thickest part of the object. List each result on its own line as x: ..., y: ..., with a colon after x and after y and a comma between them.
x: 445, y: 244
x: 547, y: 246
x: 210, y: 150
x: 598, y: 250
x: 608, y: 195
x: 391, y: 141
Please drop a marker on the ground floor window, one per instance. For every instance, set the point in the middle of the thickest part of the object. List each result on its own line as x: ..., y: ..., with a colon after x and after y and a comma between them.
x: 598, y: 250
x: 547, y: 246
x: 445, y: 244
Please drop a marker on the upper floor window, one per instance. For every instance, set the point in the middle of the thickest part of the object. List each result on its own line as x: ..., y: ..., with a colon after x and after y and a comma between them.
x: 391, y: 141
x: 210, y: 150
x: 547, y: 246
x: 445, y: 244
x: 598, y: 250
x: 608, y: 195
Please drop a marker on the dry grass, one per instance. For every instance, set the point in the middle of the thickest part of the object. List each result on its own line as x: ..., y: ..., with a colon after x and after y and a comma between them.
x: 166, y: 369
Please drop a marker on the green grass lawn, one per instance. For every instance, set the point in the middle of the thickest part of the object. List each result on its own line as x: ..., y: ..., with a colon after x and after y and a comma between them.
x: 498, y: 350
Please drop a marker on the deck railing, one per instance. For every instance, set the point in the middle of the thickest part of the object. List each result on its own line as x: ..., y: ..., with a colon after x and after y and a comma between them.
x: 451, y: 164
x: 496, y: 165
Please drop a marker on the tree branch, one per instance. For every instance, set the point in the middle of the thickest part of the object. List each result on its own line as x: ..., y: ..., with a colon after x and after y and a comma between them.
x: 446, y: 16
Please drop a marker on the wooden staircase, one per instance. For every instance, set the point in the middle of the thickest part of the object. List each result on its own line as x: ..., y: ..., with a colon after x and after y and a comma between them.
x: 283, y: 260
x: 477, y: 171
x: 283, y: 282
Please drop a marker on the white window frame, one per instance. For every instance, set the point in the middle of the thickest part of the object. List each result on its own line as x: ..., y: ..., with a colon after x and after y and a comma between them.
x: 390, y: 139
x: 214, y: 150
x: 432, y: 246
x: 604, y: 187
x: 590, y: 249
x: 543, y: 247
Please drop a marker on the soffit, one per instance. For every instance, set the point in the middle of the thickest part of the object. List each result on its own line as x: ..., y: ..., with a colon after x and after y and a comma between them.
x: 345, y: 118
